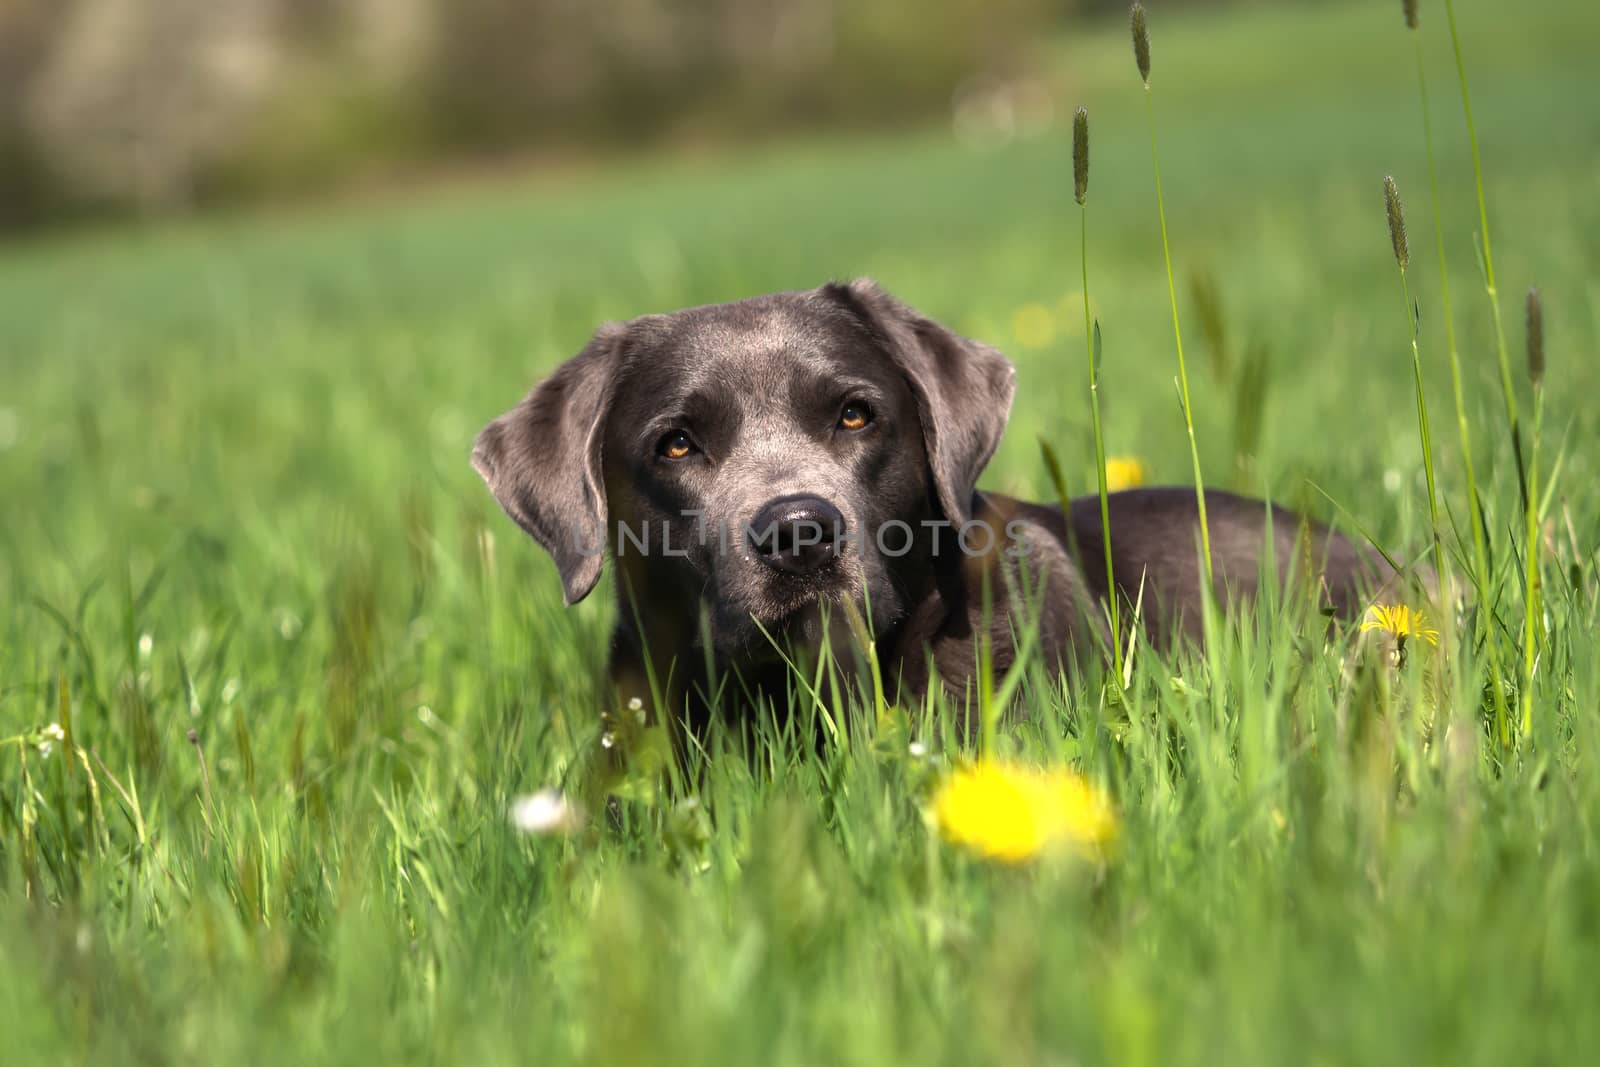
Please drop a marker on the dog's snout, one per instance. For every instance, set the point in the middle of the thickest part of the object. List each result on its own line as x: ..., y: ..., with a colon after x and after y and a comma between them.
x: 797, y: 534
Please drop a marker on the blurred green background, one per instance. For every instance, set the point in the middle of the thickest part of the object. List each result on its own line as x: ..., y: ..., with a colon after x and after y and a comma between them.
x: 276, y: 263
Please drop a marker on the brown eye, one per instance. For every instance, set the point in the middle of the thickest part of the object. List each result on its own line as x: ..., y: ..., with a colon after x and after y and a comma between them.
x: 675, y: 445
x: 854, y: 416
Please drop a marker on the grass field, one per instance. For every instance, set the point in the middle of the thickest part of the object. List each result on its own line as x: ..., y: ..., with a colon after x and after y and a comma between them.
x: 235, y: 500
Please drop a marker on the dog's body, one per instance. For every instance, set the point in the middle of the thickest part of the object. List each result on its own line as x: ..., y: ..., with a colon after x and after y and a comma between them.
x: 750, y: 465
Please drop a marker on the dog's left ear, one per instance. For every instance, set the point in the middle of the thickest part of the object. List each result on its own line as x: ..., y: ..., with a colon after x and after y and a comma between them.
x: 963, y: 388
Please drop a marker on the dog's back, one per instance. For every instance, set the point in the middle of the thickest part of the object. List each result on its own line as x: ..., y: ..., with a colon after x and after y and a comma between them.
x: 1156, y: 554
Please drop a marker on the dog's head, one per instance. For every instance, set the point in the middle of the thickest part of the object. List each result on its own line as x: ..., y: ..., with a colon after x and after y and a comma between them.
x: 752, y: 462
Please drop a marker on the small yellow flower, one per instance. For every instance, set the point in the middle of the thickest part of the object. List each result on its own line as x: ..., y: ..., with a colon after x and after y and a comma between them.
x: 1033, y: 326
x: 1012, y: 814
x: 1070, y: 307
x: 1401, y: 621
x: 1125, y: 472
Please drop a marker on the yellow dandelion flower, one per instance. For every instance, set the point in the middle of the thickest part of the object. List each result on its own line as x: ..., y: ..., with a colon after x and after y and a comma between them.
x: 1401, y: 621
x: 1012, y: 813
x: 1125, y: 472
x: 1033, y: 326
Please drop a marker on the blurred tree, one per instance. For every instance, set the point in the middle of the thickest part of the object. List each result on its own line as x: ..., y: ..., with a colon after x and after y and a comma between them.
x: 157, y: 104
x: 138, y: 97
x: 26, y: 185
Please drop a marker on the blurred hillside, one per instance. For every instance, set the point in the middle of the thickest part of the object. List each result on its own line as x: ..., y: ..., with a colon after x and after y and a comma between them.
x: 154, y: 105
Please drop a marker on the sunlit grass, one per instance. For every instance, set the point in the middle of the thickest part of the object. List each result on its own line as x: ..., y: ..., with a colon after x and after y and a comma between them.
x: 236, y: 502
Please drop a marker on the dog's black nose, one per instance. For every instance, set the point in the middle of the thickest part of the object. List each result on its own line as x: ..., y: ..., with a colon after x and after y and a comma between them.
x: 797, y: 534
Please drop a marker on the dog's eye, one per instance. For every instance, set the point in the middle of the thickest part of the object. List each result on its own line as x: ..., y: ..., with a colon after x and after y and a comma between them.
x: 675, y: 445
x: 854, y: 416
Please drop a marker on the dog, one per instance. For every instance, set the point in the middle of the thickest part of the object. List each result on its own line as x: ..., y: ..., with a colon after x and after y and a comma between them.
x: 763, y: 470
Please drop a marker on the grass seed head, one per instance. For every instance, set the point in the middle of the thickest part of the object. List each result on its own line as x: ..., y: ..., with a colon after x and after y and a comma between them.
x: 1410, y: 8
x: 1080, y: 154
x: 1141, y: 43
x: 1535, y: 338
x: 1397, y: 223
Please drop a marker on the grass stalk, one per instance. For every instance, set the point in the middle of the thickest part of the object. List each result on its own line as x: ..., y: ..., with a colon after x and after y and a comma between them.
x: 1507, y: 390
x: 1141, y: 52
x: 1091, y: 340
x: 1480, y: 548
x: 1402, y: 255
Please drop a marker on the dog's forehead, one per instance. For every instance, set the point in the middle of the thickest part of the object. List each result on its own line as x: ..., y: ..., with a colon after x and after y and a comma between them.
x: 755, y: 344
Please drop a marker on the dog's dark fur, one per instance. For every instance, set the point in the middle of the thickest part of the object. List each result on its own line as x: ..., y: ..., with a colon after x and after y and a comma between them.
x: 758, y: 386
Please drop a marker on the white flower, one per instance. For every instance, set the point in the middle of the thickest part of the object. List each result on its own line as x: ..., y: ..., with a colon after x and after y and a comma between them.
x: 46, y: 739
x: 918, y: 750
x: 289, y: 624
x: 545, y: 812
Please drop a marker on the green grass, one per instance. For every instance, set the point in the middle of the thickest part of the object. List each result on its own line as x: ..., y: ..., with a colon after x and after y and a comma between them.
x: 235, y: 499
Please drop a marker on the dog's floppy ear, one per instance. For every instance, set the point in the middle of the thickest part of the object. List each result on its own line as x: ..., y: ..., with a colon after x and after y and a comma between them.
x: 541, y: 460
x: 963, y: 388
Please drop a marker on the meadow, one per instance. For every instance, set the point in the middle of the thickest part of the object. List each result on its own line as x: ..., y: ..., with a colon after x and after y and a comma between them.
x: 299, y: 665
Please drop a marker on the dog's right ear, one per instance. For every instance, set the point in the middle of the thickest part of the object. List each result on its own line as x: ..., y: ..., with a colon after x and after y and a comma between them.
x: 541, y: 460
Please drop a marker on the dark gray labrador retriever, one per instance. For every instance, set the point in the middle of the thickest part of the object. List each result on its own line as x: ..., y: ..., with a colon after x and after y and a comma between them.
x: 749, y: 466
